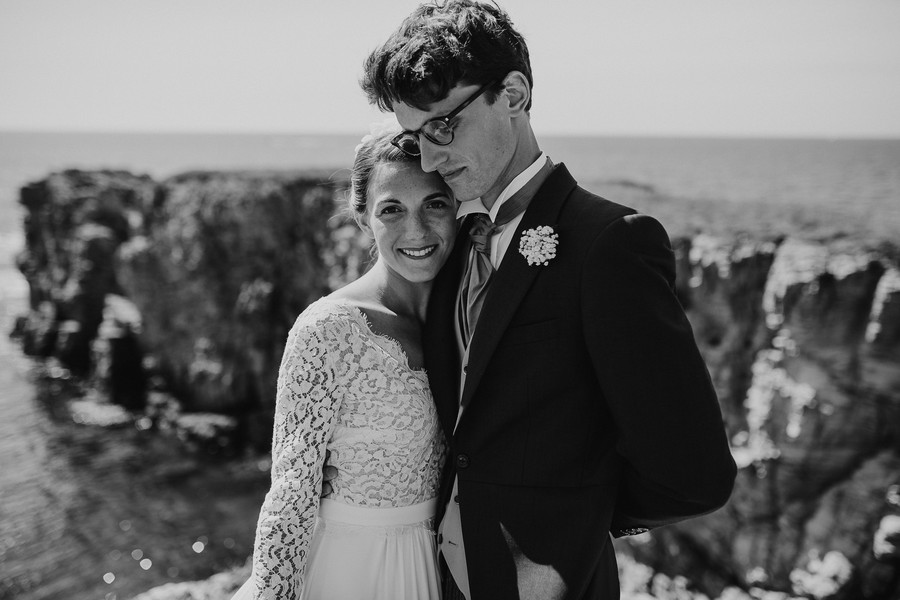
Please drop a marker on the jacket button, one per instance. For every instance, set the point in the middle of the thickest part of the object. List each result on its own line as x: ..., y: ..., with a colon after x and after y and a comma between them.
x: 465, y: 368
x: 456, y: 498
x: 440, y: 539
x: 462, y: 461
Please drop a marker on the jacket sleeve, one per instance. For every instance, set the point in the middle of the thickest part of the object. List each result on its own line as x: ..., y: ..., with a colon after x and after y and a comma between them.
x: 676, y: 459
x: 307, y: 402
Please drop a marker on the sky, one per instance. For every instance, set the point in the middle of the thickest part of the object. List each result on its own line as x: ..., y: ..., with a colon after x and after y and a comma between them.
x: 784, y: 68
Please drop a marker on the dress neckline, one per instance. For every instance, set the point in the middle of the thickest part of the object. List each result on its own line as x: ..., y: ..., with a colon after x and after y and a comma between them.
x: 395, y: 349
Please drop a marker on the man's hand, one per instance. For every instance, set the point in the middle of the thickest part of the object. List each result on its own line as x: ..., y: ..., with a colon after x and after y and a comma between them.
x: 328, y: 473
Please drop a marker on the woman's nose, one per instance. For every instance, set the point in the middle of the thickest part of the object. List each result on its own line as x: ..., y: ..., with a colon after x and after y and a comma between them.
x: 418, y: 225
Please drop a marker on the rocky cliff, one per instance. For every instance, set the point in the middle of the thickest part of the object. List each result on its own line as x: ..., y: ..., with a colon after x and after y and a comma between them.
x: 191, y: 283
x: 220, y: 274
x: 802, y: 339
x: 803, y: 343
x: 74, y: 225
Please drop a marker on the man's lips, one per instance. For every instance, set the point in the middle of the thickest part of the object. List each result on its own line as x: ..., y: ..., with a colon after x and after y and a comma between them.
x: 451, y: 173
x: 423, y: 252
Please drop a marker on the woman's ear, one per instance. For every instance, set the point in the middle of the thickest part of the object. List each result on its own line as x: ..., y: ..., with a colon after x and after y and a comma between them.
x: 363, y: 221
x: 517, y: 89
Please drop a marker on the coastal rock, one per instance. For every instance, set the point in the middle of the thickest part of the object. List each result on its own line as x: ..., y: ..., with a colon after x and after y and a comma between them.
x: 886, y: 544
x: 221, y: 272
x: 801, y: 341
x: 117, y: 356
x: 207, y: 432
x: 199, y: 277
x: 74, y: 224
x: 218, y: 587
x: 204, y: 274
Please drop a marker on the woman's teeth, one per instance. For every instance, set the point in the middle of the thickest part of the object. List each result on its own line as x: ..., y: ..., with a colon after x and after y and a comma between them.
x: 421, y: 253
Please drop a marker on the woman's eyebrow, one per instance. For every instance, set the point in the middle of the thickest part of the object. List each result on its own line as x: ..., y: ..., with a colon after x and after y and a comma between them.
x: 433, y: 195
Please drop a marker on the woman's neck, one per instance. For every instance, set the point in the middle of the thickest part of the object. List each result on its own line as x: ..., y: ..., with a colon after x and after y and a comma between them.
x: 382, y: 287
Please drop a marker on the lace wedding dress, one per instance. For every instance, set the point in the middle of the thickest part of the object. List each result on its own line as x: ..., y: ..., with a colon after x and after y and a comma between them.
x: 344, y: 389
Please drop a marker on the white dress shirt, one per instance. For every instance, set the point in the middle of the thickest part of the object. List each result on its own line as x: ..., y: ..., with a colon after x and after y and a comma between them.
x: 450, y: 536
x: 500, y: 240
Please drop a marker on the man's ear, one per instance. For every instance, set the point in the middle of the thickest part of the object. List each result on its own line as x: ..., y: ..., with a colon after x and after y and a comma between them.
x: 518, y: 91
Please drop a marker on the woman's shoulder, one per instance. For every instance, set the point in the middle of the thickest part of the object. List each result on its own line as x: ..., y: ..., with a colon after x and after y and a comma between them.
x: 326, y: 313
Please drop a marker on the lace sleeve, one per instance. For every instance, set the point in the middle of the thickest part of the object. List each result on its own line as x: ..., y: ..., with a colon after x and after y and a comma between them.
x: 306, y: 408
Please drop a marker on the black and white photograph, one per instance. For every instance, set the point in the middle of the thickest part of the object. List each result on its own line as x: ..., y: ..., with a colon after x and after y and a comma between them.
x: 449, y: 300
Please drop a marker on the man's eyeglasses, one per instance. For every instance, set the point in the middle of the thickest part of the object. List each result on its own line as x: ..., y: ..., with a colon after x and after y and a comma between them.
x: 437, y: 130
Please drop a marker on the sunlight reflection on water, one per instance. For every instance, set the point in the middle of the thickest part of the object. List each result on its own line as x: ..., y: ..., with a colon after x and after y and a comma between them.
x: 92, y: 512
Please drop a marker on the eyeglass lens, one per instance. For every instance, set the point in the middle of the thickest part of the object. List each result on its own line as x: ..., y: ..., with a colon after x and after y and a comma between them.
x: 437, y: 131
x: 408, y: 143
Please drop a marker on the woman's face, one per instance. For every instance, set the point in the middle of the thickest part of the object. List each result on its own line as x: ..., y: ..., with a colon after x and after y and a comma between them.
x: 412, y: 217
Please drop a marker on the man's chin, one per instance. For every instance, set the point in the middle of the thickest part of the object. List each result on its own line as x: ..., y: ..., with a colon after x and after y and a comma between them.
x: 463, y: 194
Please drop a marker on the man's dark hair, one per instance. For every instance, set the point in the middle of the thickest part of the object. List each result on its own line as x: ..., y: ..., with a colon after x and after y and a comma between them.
x: 442, y: 44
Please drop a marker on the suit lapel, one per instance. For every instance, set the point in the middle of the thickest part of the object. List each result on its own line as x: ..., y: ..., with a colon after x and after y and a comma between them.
x: 513, y: 278
x: 441, y: 351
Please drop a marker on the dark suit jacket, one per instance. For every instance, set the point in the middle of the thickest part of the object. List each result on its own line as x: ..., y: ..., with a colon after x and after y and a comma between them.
x: 588, y: 406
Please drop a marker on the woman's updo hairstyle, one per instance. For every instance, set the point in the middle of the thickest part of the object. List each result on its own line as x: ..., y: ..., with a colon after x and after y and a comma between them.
x: 374, y: 148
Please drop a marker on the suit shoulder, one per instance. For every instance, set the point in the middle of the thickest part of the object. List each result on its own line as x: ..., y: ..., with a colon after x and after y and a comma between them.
x: 597, y: 218
x: 589, y: 219
x: 606, y: 227
x: 587, y: 207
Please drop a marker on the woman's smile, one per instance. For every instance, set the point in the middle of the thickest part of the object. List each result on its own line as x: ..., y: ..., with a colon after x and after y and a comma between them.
x: 418, y: 253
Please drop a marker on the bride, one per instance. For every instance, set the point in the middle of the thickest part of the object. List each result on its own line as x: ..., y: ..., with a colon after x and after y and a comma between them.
x: 351, y: 384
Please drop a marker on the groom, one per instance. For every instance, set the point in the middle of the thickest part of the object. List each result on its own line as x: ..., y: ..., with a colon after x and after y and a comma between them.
x: 565, y: 372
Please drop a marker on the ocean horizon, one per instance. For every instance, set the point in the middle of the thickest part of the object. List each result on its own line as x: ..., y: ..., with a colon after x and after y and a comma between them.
x: 856, y: 181
x: 825, y: 188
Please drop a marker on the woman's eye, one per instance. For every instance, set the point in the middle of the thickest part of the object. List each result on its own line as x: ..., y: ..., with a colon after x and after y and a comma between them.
x: 389, y: 210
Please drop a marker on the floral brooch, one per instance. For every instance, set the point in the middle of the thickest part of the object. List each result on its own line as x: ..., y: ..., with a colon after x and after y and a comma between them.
x: 538, y: 245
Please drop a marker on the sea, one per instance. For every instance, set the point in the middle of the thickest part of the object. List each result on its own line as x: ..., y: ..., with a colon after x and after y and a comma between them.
x: 847, y: 175
x: 88, y: 514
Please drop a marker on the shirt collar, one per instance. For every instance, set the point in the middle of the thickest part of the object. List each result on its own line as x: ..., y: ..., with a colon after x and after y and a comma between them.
x: 477, y: 206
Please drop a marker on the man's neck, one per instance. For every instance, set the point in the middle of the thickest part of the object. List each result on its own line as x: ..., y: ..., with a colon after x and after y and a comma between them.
x: 526, y: 152
x: 520, y: 162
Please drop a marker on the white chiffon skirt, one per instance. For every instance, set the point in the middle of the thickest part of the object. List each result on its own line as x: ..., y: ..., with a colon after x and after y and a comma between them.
x: 359, y: 553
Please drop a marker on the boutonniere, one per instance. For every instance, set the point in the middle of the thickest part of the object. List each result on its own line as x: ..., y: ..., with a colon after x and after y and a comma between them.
x: 538, y: 245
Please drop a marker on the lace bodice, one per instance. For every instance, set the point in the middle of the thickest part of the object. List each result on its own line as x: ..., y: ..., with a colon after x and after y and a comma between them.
x: 344, y: 389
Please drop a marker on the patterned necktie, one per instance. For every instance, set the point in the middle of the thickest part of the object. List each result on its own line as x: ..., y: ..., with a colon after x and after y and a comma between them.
x: 477, y: 275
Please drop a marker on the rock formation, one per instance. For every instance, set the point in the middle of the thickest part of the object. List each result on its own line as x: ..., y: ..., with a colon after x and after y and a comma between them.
x: 802, y: 340
x: 221, y: 586
x: 217, y: 267
x: 221, y: 272
x: 74, y: 224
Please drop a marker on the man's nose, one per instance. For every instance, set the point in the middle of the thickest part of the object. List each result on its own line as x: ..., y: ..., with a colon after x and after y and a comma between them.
x: 432, y: 155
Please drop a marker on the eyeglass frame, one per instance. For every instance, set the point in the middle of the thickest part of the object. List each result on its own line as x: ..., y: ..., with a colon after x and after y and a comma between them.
x: 395, y: 141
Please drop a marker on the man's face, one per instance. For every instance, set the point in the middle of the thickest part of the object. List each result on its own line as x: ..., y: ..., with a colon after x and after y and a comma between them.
x: 477, y: 162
